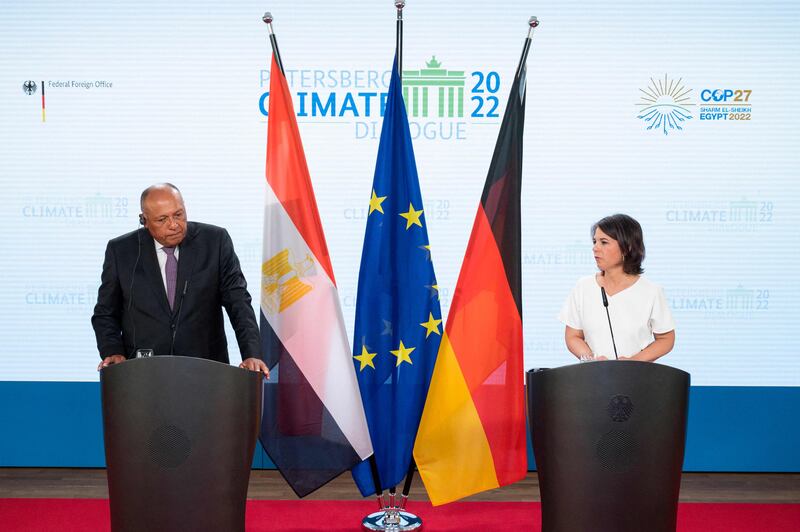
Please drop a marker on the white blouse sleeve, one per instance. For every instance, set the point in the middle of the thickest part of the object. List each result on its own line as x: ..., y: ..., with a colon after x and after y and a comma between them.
x: 570, y: 314
x: 661, y: 317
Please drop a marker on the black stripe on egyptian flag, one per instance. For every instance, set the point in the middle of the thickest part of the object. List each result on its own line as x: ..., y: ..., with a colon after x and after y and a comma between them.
x: 501, y: 193
x: 298, y: 433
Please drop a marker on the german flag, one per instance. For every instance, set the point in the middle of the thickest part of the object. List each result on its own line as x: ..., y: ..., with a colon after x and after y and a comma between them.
x: 472, y: 434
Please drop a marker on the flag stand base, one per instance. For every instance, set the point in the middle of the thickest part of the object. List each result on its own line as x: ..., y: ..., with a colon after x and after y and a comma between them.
x: 392, y: 520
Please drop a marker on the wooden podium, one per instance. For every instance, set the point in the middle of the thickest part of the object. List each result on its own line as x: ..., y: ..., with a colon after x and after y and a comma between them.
x: 608, y: 438
x: 179, y: 438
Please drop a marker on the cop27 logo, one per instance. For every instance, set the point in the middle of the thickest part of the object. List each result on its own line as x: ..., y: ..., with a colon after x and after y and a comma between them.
x: 666, y: 105
x: 726, y: 105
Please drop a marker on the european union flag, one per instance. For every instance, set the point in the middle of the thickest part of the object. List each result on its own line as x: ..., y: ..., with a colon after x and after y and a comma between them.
x: 398, y: 319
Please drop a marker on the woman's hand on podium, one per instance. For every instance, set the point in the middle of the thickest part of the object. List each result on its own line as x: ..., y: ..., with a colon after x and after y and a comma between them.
x: 108, y: 361
x: 255, y: 364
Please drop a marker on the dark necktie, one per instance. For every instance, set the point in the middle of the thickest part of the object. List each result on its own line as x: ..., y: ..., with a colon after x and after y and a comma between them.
x: 171, y: 272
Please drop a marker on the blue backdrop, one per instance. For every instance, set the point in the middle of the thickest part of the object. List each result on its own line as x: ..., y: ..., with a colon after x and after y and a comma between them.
x: 47, y: 424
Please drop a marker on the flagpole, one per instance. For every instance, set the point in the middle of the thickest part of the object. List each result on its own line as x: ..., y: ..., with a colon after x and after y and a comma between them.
x: 376, y: 479
x: 268, y: 18
x: 533, y: 23
x: 407, y: 486
x: 392, y: 517
x: 399, y: 4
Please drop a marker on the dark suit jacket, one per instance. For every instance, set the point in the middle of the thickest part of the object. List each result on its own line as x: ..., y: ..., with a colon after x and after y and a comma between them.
x: 132, y: 310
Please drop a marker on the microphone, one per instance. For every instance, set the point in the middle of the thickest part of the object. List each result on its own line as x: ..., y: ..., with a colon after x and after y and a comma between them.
x: 178, y: 317
x: 605, y: 304
x: 133, y: 278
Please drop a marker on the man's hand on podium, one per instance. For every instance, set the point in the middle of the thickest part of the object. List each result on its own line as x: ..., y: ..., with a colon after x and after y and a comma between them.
x: 108, y: 361
x: 255, y: 364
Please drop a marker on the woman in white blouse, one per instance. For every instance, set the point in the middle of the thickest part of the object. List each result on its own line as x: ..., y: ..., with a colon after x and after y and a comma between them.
x: 639, y: 312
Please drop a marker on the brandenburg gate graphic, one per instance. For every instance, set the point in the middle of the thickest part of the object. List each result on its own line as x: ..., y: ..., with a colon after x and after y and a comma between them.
x: 448, y: 86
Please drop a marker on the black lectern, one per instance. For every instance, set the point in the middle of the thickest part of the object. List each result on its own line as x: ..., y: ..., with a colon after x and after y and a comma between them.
x: 179, y: 435
x: 608, y: 438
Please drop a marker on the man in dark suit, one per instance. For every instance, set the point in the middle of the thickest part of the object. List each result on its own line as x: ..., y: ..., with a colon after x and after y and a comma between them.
x: 163, y: 289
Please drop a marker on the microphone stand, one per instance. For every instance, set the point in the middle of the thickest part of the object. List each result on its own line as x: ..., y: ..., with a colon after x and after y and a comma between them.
x: 178, y: 318
x: 605, y: 304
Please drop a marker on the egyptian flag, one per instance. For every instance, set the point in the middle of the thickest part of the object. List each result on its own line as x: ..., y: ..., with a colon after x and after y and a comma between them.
x: 472, y: 434
x: 313, y: 425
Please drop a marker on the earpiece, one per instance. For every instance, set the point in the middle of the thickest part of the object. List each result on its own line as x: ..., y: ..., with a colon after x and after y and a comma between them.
x: 141, y: 219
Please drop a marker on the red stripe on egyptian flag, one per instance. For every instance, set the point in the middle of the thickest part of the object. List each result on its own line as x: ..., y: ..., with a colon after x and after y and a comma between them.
x: 287, y: 170
x: 472, y: 434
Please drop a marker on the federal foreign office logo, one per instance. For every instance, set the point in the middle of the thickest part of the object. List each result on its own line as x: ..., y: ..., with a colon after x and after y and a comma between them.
x: 29, y: 87
x: 666, y: 105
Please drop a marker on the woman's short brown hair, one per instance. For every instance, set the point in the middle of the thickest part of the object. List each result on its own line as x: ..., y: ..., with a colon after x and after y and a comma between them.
x: 628, y: 234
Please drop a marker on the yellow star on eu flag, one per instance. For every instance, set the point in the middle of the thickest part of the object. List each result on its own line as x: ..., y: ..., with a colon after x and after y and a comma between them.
x: 434, y: 288
x: 412, y: 216
x: 431, y: 326
x: 402, y: 353
x: 365, y: 358
x: 375, y: 203
x: 427, y: 249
